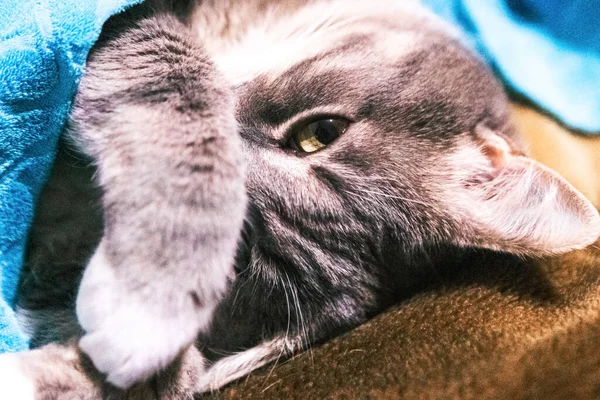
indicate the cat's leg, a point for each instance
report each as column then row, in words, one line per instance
column 158, row 121
column 52, row 372
column 63, row 372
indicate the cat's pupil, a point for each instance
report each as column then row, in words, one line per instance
column 327, row 130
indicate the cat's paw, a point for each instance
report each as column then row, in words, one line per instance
column 127, row 338
column 14, row 384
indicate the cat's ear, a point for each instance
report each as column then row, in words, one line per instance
column 512, row 203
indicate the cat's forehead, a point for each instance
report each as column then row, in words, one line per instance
column 333, row 34
column 388, row 62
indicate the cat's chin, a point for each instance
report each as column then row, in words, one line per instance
column 127, row 338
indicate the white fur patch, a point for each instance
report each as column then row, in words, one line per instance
column 127, row 339
column 14, row 384
column 230, row 368
column 275, row 44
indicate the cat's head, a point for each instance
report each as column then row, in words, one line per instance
column 366, row 123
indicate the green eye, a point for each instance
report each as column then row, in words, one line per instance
column 318, row 134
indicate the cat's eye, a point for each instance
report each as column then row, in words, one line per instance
column 318, row 134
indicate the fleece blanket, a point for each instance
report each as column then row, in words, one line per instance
column 44, row 43
column 545, row 50
column 43, row 47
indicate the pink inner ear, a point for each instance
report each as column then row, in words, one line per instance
column 497, row 151
column 495, row 148
column 513, row 203
column 537, row 209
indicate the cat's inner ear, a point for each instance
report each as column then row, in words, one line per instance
column 509, row 202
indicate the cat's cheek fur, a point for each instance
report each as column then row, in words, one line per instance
column 14, row 383
column 129, row 338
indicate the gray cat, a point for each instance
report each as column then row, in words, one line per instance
column 267, row 174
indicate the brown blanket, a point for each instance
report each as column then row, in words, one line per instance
column 491, row 327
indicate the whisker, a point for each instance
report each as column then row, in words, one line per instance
column 287, row 300
column 239, row 289
column 287, row 331
column 306, row 343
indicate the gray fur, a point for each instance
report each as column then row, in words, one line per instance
column 328, row 239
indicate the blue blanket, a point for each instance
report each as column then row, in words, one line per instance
column 43, row 47
column 546, row 50
column 44, row 43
